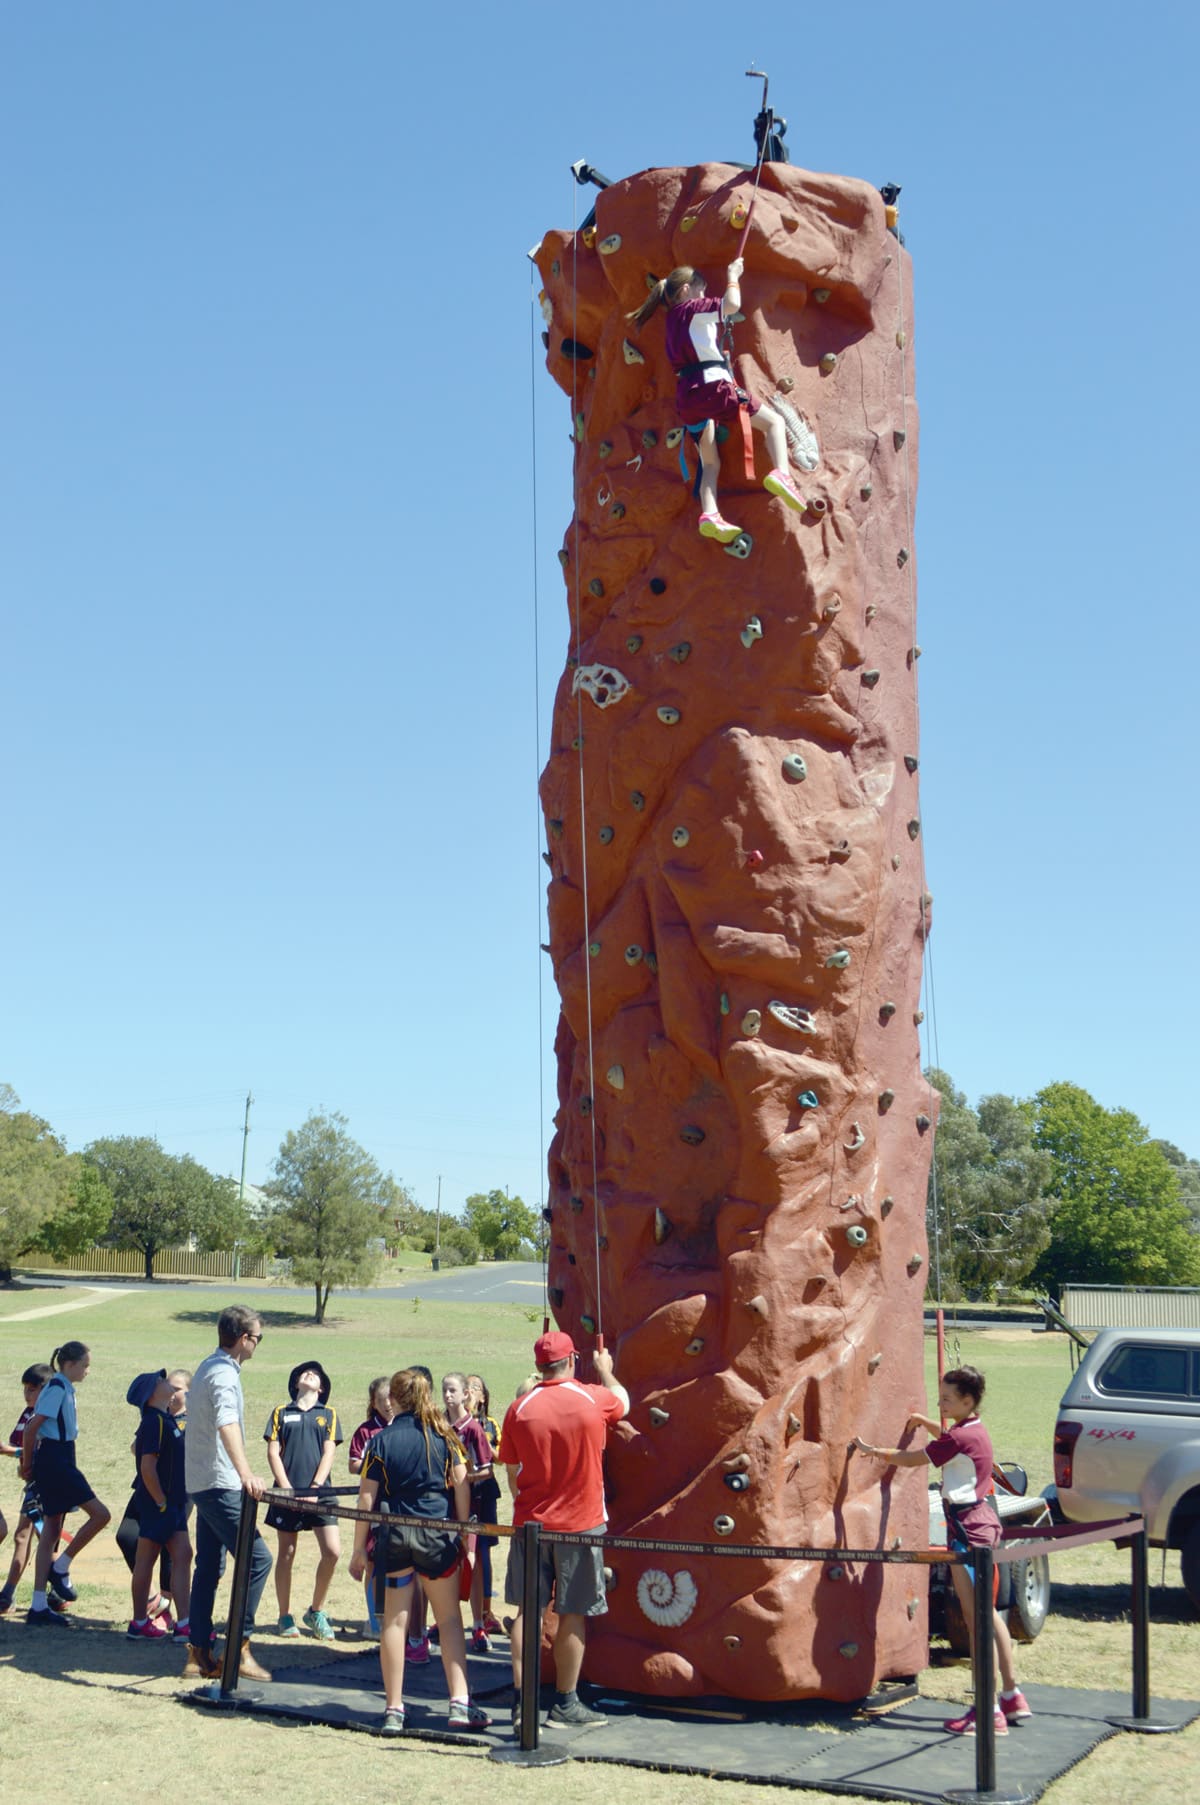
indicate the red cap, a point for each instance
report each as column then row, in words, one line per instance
column 549, row 1349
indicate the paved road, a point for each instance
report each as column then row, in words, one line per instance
column 499, row 1282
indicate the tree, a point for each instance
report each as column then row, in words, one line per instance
column 1188, row 1172
column 1121, row 1219
column 990, row 1205
column 85, row 1218
column 35, row 1179
column 159, row 1199
column 331, row 1215
column 502, row 1224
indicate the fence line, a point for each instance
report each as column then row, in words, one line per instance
column 173, row 1262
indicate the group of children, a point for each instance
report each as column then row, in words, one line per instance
column 302, row 1437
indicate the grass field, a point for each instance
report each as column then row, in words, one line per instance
column 118, row 1699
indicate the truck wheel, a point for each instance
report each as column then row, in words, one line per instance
column 1190, row 1564
column 1030, row 1597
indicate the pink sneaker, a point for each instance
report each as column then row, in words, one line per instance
column 965, row 1725
column 780, row 483
column 149, row 1631
column 1015, row 1706
column 417, row 1653
column 712, row 526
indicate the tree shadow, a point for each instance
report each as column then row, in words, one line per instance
column 1111, row 1604
column 270, row 1319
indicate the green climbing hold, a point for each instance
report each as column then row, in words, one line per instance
column 556, row 268
column 649, row 440
column 604, row 448
column 588, row 1324
column 724, row 1002
column 596, row 587
column 605, row 836
column 634, row 643
column 856, row 1234
column 673, row 437
column 681, row 651
column 808, row 1100
column 580, row 423
column 651, row 962
column 794, row 768
column 820, row 296
column 593, row 949
column 838, row 961
column 618, row 510
column 751, row 631
column 555, row 827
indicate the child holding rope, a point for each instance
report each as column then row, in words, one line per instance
column 407, row 1470
column 706, row 392
column 964, row 1454
column 48, row 1458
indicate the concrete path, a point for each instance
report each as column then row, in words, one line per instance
column 99, row 1294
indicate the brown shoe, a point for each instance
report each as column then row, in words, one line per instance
column 202, row 1664
column 249, row 1668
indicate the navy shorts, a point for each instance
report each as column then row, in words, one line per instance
column 433, row 1552
column 60, row 1484
column 156, row 1525
column 291, row 1522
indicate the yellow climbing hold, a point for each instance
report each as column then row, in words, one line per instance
column 685, row 225
column 739, row 216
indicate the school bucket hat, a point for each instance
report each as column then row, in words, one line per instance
column 310, row 1366
column 142, row 1389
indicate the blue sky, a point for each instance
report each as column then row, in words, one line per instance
column 270, row 725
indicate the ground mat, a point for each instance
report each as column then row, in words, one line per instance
column 904, row 1754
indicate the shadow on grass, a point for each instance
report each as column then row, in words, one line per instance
column 270, row 1319
column 1110, row 1604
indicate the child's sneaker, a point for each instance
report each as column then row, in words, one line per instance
column 572, row 1711
column 417, row 1653
column 780, row 483
column 319, row 1624
column 479, row 1641
column 181, row 1634
column 466, row 1716
column 1015, row 1706
column 41, row 1620
column 6, row 1599
column 288, row 1627
column 965, row 1725
column 492, row 1626
column 149, row 1630
column 61, row 1583
column 712, row 526
column 393, row 1721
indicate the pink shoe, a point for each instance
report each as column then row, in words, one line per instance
column 965, row 1725
column 150, row 1631
column 1015, row 1707
column 780, row 483
column 712, row 526
column 417, row 1653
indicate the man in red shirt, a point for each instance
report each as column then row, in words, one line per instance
column 552, row 1443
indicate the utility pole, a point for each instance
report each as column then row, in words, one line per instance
column 237, row 1252
column 437, row 1236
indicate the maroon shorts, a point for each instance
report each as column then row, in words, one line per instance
column 720, row 400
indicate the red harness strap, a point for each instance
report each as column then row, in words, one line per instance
column 747, row 441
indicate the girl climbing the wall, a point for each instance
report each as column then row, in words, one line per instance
column 706, row 392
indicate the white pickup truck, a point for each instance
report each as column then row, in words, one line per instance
column 1128, row 1438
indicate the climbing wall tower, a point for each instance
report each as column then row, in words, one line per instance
column 737, row 915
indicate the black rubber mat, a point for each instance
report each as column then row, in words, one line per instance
column 904, row 1754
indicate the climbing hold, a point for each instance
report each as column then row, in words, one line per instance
column 634, row 463
column 593, row 949
column 857, row 1139
column 808, row 1100
column 637, row 800
column 914, row 828
column 856, row 1234
column 608, row 245
column 737, row 1482
column 829, row 363
column 887, row 1011
column 901, row 558
column 634, row 643
column 914, row 652
column 817, row 504
column 737, row 1463
column 895, row 861
column 555, row 827
column 738, row 216
column 886, row 1099
column 556, row 1297
column 741, row 547
column 754, row 859
column 556, row 268
column 901, row 340
column 588, row 236
column 673, row 437
column 751, row 1022
column 912, row 1607
column 914, row 1265
column 838, row 961
column 596, row 587
column 605, row 836
column 578, row 353
column 840, row 851
column 794, row 768
column 659, row 1417
column 657, row 586
column 887, row 1206
column 910, row 763
column 668, row 716
column 588, row 1324
column 923, row 1123
column 898, row 438
column 759, row 1305
column 871, row 611
column 577, row 1205
column 681, row 652
column 601, row 682
column 547, row 1214
column 870, row 679
column 585, row 1106
column 618, row 510
column 649, row 440
column 616, row 1077
column 724, row 1526
column 820, row 296
column 918, row 1018
column 874, row 1363
column 662, row 1227
column 833, row 606
column 835, row 1572
column 580, row 423
column 604, row 448
column 751, row 631
column 564, row 557
column 695, row 1346
column 790, row 1016
column 633, row 955
column 667, row 1599
column 866, row 491
column 602, row 1243
column 651, row 962
column 724, row 1004
column 787, row 384
column 577, row 743
column 849, row 1650
column 691, row 1134
column 680, row 836
column 603, row 496
column 686, row 224
column 632, row 354
column 610, row 1579
column 732, row 1643
column 853, row 1202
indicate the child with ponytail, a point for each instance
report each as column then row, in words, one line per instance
column 706, row 392
column 48, row 1458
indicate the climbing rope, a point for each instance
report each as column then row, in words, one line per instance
column 544, row 1238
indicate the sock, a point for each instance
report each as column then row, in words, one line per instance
column 140, row 1622
column 1011, row 1694
column 61, row 1564
column 566, row 1698
column 39, row 1602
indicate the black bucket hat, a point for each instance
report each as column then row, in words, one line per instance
column 310, row 1366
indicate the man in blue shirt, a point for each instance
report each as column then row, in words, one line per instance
column 217, row 1473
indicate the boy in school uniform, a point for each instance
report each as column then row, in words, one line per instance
column 160, row 1501
column 301, row 1439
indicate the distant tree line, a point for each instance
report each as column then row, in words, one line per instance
column 1053, row 1188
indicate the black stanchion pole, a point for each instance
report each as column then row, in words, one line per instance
column 1139, row 1612
column 985, row 1788
column 529, row 1752
column 239, row 1597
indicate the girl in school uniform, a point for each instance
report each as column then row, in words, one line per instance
column 48, row 1459
column 379, row 1414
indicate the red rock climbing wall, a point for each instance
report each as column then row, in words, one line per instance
column 737, row 1180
